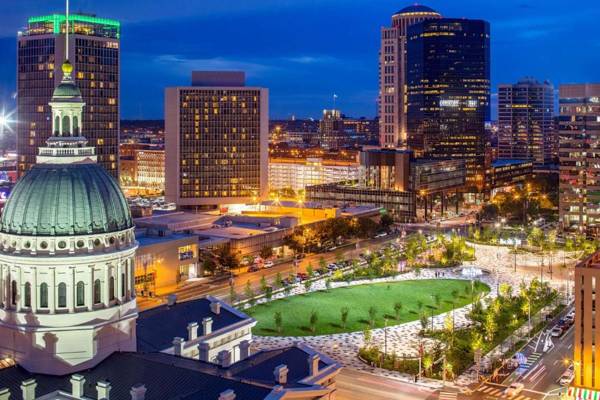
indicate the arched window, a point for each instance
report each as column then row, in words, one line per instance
column 56, row 125
column 66, row 128
column 13, row 293
column 123, row 284
column 75, row 126
column 80, row 294
column 62, row 294
column 27, row 298
column 111, row 288
column 97, row 291
column 44, row 295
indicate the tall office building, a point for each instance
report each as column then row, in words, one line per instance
column 526, row 121
column 448, row 89
column 94, row 50
column 586, row 335
column 579, row 176
column 216, row 141
column 331, row 130
column 392, row 74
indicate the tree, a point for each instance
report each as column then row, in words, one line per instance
column 327, row 284
column 307, row 285
column 397, row 309
column 386, row 221
column 309, row 270
column 344, row 311
column 490, row 326
column 263, row 284
column 490, row 212
column 436, row 300
column 278, row 321
column 269, row 293
column 248, row 292
column 208, row 265
column 287, row 290
column 424, row 321
column 372, row 315
column 427, row 363
column 278, row 280
column 232, row 295
column 449, row 326
column 266, row 252
column 322, row 263
column 367, row 337
column 419, row 305
column 314, row 318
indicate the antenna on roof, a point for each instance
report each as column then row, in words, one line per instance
column 67, row 30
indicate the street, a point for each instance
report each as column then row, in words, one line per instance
column 356, row 385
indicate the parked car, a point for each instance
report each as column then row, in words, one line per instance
column 567, row 377
column 380, row 235
column 302, row 275
column 253, row 268
column 565, row 323
column 557, row 331
column 514, row 389
column 269, row 264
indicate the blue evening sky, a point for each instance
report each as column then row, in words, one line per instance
column 306, row 50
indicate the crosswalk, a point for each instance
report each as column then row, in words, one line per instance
column 532, row 359
column 448, row 396
column 498, row 392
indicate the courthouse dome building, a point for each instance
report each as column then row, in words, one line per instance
column 67, row 248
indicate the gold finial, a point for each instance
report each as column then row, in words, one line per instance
column 67, row 68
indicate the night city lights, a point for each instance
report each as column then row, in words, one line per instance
column 300, row 200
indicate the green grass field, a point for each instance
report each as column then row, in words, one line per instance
column 296, row 310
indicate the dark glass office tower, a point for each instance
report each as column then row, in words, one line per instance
column 448, row 90
column 94, row 52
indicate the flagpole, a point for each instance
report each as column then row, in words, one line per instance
column 67, row 30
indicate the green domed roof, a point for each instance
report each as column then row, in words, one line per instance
column 64, row 200
column 67, row 90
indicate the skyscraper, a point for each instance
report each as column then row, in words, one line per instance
column 331, row 129
column 525, row 120
column 448, row 91
column 392, row 74
column 95, row 55
column 216, row 141
column 579, row 176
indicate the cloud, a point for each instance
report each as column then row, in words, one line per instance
column 312, row 59
column 184, row 66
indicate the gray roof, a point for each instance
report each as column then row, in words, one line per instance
column 65, row 200
column 157, row 327
column 416, row 8
column 165, row 377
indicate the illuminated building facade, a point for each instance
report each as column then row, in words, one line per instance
column 579, row 170
column 526, row 121
column 95, row 54
column 392, row 74
column 331, row 130
column 587, row 318
column 448, row 90
column 297, row 173
column 216, row 141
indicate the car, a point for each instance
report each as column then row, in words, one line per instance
column 565, row 323
column 300, row 256
column 514, row 389
column 567, row 377
column 380, row 235
column 302, row 276
column 253, row 268
column 269, row 264
column 557, row 331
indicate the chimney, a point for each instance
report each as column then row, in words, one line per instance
column 206, row 326
column 215, row 307
column 77, row 385
column 171, row 300
column 103, row 389
column 281, row 374
column 203, row 349
column 224, row 358
column 227, row 395
column 28, row 389
column 192, row 328
column 4, row 394
column 313, row 364
column 138, row 392
column 244, row 349
column 178, row 344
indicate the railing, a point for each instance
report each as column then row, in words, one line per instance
column 58, row 152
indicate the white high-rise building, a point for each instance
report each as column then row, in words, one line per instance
column 392, row 74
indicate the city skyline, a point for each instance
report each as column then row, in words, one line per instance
column 301, row 69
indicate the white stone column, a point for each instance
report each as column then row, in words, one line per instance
column 2, row 291
column 90, row 290
column 52, row 291
column 131, row 278
column 119, row 281
column 20, row 289
column 71, row 290
column 106, row 294
column 34, row 290
column 71, row 122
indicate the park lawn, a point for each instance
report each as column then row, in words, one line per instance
column 296, row 310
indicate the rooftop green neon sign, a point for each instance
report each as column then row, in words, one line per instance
column 58, row 19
